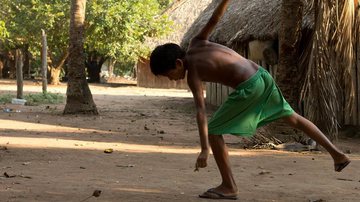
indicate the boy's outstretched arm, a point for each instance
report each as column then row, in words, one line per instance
column 197, row 90
column 214, row 19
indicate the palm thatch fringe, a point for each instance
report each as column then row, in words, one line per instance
column 245, row 21
column 176, row 12
column 173, row 6
column 330, row 63
column 344, row 41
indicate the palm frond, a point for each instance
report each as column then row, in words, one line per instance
column 344, row 42
column 330, row 61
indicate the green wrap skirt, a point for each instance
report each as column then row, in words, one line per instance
column 254, row 103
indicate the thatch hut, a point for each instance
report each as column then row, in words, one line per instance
column 182, row 13
column 248, row 27
column 245, row 21
column 248, row 24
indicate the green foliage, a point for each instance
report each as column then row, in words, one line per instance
column 116, row 29
column 164, row 3
column 28, row 17
column 44, row 98
column 35, row 99
column 5, row 98
column 3, row 31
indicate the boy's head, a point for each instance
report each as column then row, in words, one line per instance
column 167, row 60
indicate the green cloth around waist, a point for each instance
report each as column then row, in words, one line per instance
column 254, row 103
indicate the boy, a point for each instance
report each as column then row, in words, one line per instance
column 255, row 102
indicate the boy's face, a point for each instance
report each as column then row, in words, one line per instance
column 175, row 74
column 178, row 73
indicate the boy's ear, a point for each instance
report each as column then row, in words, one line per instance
column 179, row 62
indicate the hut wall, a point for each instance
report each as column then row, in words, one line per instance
column 145, row 78
column 216, row 93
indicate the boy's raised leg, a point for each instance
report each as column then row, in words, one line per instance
column 227, row 189
column 301, row 123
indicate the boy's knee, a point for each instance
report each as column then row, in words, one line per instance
column 293, row 120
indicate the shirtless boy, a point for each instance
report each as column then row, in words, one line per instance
column 255, row 102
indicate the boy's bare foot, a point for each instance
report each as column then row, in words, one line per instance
column 220, row 192
column 214, row 194
column 341, row 163
column 340, row 166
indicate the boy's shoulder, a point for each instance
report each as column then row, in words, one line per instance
column 197, row 42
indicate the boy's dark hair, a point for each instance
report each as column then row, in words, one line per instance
column 163, row 58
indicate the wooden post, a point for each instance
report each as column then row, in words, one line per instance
column 1, row 68
column 44, row 61
column 213, row 94
column 208, row 92
column 357, row 65
column 19, row 73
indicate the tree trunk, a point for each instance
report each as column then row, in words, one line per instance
column 357, row 63
column 93, row 65
column 10, row 65
column 1, row 69
column 289, row 38
column 56, row 70
column 55, row 76
column 44, row 63
column 79, row 98
column 287, row 73
column 19, row 73
column 111, row 67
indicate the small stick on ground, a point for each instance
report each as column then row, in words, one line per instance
column 96, row 193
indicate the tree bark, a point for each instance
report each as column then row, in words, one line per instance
column 26, row 68
column 19, row 73
column 93, row 65
column 357, row 47
column 79, row 98
column 1, row 69
column 44, row 63
column 289, row 38
column 56, row 70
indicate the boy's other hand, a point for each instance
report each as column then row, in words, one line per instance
column 201, row 161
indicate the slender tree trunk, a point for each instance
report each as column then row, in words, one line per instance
column 289, row 38
column 111, row 67
column 44, row 64
column 1, row 69
column 11, row 60
column 357, row 47
column 19, row 73
column 79, row 97
column 26, row 69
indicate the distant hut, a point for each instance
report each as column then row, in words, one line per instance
column 183, row 13
column 251, row 28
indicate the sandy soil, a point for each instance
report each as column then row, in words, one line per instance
column 46, row 156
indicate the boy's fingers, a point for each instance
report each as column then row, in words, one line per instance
column 196, row 167
column 200, row 164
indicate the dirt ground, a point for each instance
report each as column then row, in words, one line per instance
column 46, row 156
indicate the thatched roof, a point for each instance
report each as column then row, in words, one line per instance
column 183, row 13
column 245, row 21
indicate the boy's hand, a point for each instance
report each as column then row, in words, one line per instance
column 201, row 161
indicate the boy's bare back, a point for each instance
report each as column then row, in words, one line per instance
column 211, row 62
